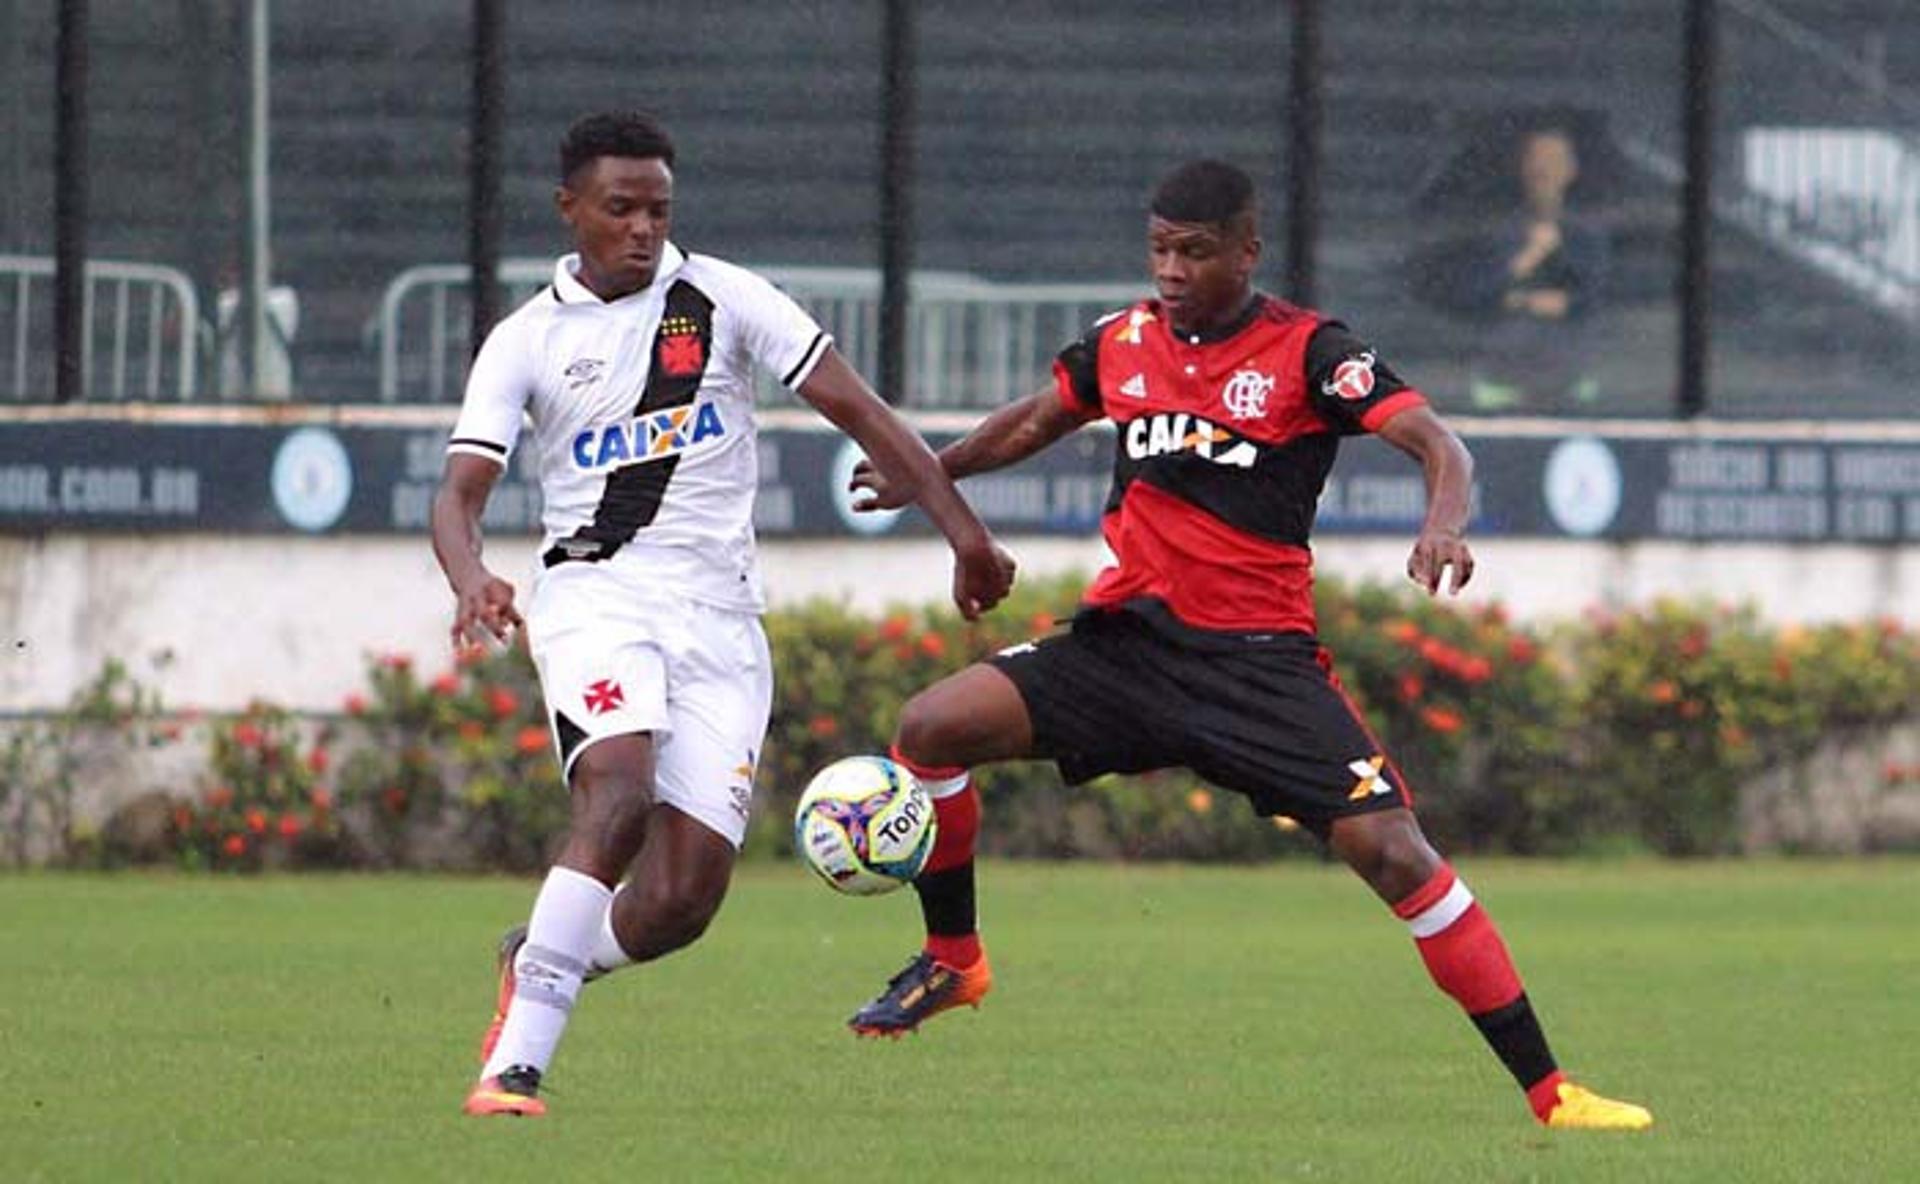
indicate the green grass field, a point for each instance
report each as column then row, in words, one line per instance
column 1149, row 1023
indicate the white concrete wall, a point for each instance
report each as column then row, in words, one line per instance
column 293, row 620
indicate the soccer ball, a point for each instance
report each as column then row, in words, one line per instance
column 865, row 825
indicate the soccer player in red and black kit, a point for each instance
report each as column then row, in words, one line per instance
column 1197, row 647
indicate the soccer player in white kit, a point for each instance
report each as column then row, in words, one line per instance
column 634, row 370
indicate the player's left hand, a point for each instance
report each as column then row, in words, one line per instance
column 882, row 494
column 1433, row 553
column 982, row 577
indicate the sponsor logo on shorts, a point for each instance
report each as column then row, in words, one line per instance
column 1371, row 783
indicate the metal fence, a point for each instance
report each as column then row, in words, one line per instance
column 142, row 331
column 971, row 343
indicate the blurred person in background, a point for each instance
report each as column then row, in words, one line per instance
column 1197, row 647
column 634, row 373
column 1531, row 284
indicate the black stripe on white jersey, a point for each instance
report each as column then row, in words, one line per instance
column 633, row 492
column 815, row 348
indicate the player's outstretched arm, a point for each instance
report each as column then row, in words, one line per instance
column 1448, row 465
column 1007, row 436
column 482, row 600
column 983, row 571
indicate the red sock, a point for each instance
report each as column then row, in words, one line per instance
column 1544, row 1094
column 946, row 883
column 956, row 806
column 1459, row 944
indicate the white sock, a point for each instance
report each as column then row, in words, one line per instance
column 607, row 954
column 549, row 968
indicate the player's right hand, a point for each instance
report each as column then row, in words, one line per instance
column 982, row 577
column 882, row 494
column 484, row 607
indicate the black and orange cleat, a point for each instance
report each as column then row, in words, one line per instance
column 923, row 990
column 510, row 945
column 515, row 1090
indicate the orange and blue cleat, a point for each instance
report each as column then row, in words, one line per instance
column 514, row 1091
column 509, row 947
column 923, row 990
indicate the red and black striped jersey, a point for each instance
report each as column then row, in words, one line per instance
column 1222, row 445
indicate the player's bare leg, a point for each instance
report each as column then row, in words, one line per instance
column 970, row 718
column 1468, row 960
column 612, row 795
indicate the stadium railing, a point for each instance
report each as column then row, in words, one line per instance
column 972, row 342
column 142, row 330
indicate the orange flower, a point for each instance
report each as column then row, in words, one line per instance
column 823, row 727
column 289, row 826
column 1040, row 623
column 933, row 645
column 895, row 627
column 503, row 701
column 246, row 735
column 1663, row 691
column 236, row 845
column 182, row 818
column 256, row 822
column 219, row 797
column 1411, row 687
column 1402, row 631
column 320, row 800
column 1733, row 736
column 471, row 729
column 1442, row 720
column 356, row 704
column 317, row 761
column 1199, row 800
column 1476, row 669
column 444, row 685
column 1522, row 650
column 530, row 740
column 902, row 652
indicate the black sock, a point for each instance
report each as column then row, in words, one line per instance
column 1515, row 1036
column 946, row 900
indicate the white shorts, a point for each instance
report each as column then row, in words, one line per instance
column 617, row 657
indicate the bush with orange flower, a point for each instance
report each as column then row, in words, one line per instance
column 267, row 802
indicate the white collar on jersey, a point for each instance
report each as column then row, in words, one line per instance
column 569, row 290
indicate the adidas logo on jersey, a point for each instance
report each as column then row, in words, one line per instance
column 653, row 436
column 1158, row 435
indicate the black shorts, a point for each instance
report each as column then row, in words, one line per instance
column 1264, row 718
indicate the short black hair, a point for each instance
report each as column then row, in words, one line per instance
column 634, row 134
column 1210, row 191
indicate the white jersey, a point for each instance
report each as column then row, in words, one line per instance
column 641, row 411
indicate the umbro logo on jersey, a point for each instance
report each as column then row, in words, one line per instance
column 1177, row 431
column 582, row 371
column 1135, row 387
column 653, row 436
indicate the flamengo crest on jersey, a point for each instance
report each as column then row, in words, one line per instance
column 638, row 416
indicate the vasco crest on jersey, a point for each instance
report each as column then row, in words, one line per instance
column 680, row 350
